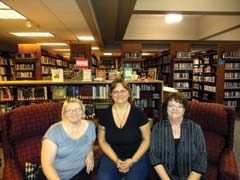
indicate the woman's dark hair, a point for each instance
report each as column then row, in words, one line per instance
column 178, row 97
column 125, row 85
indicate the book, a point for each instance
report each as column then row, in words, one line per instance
column 59, row 92
column 100, row 74
column 127, row 73
column 57, row 75
column 112, row 74
column 152, row 73
column 87, row 74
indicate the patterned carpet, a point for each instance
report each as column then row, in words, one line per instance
column 237, row 141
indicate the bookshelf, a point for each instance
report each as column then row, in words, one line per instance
column 180, row 76
column 33, row 63
column 160, row 61
column 228, row 81
column 216, row 75
column 6, row 68
column 80, row 51
column 174, row 67
column 109, row 65
column 148, row 95
column 131, row 57
column 51, row 61
column 205, row 75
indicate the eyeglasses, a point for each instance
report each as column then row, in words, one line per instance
column 115, row 92
column 70, row 111
column 180, row 106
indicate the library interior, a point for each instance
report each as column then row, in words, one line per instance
column 53, row 50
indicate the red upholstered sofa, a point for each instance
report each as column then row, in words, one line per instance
column 23, row 128
column 217, row 122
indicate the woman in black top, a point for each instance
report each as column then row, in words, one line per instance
column 124, row 137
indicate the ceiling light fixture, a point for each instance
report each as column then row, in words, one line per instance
column 85, row 38
column 7, row 13
column 53, row 44
column 28, row 24
column 62, row 50
column 10, row 14
column 95, row 48
column 32, row 34
column 3, row 6
column 107, row 54
column 173, row 18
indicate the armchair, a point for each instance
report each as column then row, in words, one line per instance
column 217, row 122
column 22, row 131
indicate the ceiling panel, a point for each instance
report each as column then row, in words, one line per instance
column 113, row 22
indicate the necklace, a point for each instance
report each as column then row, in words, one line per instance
column 176, row 131
column 121, row 120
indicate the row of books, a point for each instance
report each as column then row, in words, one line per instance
column 232, row 94
column 230, row 103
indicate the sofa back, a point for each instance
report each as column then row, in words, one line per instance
column 214, row 117
column 217, row 122
column 23, row 128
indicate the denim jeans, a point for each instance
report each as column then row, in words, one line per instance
column 79, row 176
column 108, row 171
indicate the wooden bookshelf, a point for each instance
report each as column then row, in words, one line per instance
column 94, row 94
column 174, row 67
column 216, row 75
column 131, row 57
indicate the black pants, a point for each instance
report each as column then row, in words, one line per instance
column 82, row 175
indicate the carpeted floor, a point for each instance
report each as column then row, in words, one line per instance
column 237, row 141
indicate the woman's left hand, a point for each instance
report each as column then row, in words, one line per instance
column 89, row 162
column 125, row 165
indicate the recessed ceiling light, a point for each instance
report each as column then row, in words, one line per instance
column 173, row 18
column 53, row 44
column 86, row 38
column 32, row 34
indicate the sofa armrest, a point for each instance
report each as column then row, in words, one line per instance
column 228, row 166
column 12, row 171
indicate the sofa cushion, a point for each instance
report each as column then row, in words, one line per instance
column 28, row 151
column 215, row 145
column 31, row 171
column 212, row 172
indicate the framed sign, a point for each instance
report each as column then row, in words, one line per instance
column 82, row 63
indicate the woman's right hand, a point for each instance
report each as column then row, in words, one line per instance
column 124, row 166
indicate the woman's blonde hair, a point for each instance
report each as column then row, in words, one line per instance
column 73, row 100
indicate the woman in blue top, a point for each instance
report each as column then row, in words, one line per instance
column 67, row 145
column 124, row 137
column 178, row 150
